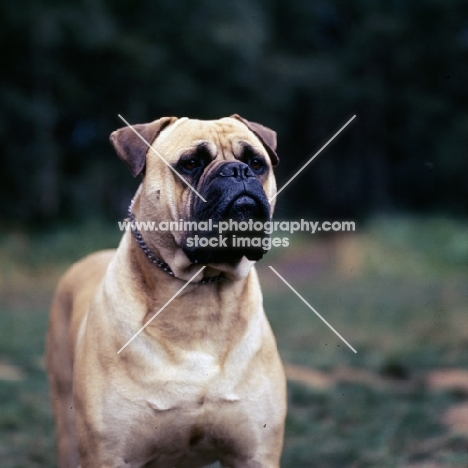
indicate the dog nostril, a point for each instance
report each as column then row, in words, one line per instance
column 236, row 170
column 229, row 172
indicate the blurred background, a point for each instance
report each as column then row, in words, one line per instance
column 397, row 289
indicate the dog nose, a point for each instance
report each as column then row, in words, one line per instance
column 236, row 170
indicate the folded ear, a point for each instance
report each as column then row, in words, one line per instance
column 131, row 149
column 266, row 135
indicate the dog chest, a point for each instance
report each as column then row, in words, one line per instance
column 190, row 385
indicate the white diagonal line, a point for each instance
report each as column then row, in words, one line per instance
column 310, row 307
column 161, row 309
column 312, row 158
column 157, row 154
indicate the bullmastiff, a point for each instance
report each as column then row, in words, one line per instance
column 203, row 382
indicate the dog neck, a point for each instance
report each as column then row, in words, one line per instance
column 153, row 258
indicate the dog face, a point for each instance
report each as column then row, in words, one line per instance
column 229, row 162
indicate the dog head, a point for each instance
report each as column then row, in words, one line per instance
column 197, row 171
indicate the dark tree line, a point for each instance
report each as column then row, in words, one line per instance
column 302, row 67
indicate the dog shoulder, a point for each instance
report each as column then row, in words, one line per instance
column 83, row 276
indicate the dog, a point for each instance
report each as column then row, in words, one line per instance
column 203, row 381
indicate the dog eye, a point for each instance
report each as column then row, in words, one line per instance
column 190, row 164
column 194, row 162
column 253, row 159
column 256, row 164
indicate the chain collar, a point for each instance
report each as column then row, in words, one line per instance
column 152, row 257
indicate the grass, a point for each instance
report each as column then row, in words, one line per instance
column 25, row 417
column 397, row 291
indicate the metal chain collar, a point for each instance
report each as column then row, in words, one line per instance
column 152, row 257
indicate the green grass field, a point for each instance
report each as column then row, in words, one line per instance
column 397, row 291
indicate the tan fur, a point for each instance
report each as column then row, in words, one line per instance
column 204, row 380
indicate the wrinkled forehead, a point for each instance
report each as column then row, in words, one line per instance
column 227, row 136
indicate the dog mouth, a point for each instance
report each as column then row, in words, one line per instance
column 245, row 207
column 235, row 231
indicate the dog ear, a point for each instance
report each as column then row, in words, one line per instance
column 264, row 134
column 131, row 149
